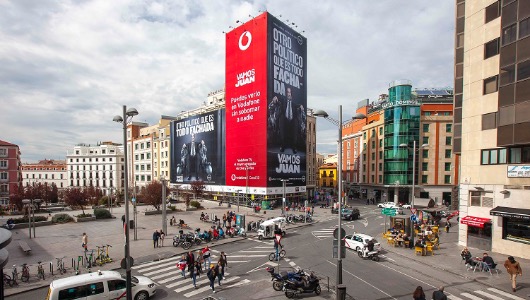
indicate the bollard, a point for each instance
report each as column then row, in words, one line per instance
column 51, row 268
column 73, row 263
column 341, row 292
column 328, row 283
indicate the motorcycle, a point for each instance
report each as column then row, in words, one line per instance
column 240, row 231
column 308, row 284
column 278, row 279
column 373, row 255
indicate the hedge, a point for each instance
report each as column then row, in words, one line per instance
column 25, row 219
column 102, row 213
column 62, row 218
column 195, row 204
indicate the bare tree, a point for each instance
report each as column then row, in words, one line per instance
column 16, row 197
column 152, row 194
column 198, row 188
column 76, row 197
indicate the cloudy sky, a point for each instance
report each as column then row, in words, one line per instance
column 67, row 66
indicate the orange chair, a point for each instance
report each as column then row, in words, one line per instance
column 429, row 249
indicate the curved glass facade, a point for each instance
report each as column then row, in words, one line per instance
column 402, row 126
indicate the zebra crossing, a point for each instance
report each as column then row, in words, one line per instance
column 489, row 293
column 323, row 233
column 165, row 272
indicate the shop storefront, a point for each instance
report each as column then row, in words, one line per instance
column 515, row 223
column 478, row 232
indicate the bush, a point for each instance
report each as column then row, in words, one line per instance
column 103, row 201
column 84, row 215
column 195, row 204
column 102, row 213
column 173, row 208
column 25, row 219
column 62, row 218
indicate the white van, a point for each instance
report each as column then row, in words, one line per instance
column 268, row 228
column 100, row 285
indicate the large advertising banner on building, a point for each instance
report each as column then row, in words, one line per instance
column 197, row 149
column 287, row 102
column 246, row 104
column 266, row 99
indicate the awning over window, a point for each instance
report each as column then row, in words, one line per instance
column 511, row 212
column 474, row 221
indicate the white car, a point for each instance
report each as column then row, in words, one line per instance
column 406, row 206
column 357, row 241
column 386, row 205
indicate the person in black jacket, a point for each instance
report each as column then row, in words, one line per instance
column 439, row 294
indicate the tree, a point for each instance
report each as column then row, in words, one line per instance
column 152, row 194
column 76, row 197
column 198, row 188
column 16, row 197
column 54, row 194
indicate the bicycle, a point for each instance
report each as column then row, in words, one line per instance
column 60, row 265
column 272, row 256
column 40, row 270
column 14, row 275
column 25, row 273
column 8, row 280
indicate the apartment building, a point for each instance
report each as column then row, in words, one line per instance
column 46, row 171
column 311, row 155
column 10, row 171
column 492, row 124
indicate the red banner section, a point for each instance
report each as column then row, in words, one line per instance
column 246, row 104
column 474, row 221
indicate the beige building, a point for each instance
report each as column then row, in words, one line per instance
column 46, row 171
column 492, row 124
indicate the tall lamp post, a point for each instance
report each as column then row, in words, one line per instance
column 128, row 114
column 339, row 124
column 164, row 214
column 413, row 167
column 31, row 213
column 284, row 182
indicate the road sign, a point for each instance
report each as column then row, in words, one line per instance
column 336, row 233
column 388, row 211
column 336, row 249
column 133, row 200
column 413, row 211
column 413, row 218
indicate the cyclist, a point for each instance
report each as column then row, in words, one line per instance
column 277, row 246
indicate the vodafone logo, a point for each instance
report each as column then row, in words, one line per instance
column 248, row 40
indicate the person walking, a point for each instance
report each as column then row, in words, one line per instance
column 84, row 241
column 182, row 266
column 223, row 263
column 162, row 237
column 418, row 294
column 447, row 226
column 513, row 268
column 218, row 273
column 211, row 276
column 224, row 220
column 194, row 271
column 156, row 236
column 439, row 294
column 207, row 257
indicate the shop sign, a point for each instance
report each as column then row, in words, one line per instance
column 519, row 171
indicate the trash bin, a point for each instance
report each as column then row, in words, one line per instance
column 131, row 224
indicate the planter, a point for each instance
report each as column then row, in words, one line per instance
column 152, row 212
column 84, row 219
column 37, row 224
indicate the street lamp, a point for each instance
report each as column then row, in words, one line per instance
column 30, row 203
column 238, row 195
column 284, row 181
column 128, row 114
column 164, row 223
column 339, row 124
column 111, row 189
column 413, row 167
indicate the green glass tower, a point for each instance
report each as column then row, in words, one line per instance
column 402, row 126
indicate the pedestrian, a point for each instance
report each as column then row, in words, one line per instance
column 218, row 273
column 224, row 220
column 162, row 237
column 447, row 226
column 123, row 221
column 223, row 263
column 206, row 257
column 200, row 260
column 513, row 268
column 211, row 276
column 312, row 209
column 194, row 271
column 156, row 236
column 418, row 294
column 171, row 222
column 182, row 265
column 439, row 294
column 84, row 240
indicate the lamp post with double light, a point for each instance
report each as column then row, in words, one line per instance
column 413, row 167
column 31, row 213
column 284, row 182
column 164, row 213
column 339, row 124
column 128, row 114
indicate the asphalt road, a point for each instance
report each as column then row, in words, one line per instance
column 310, row 248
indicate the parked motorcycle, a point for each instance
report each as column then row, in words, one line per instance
column 278, row 279
column 373, row 255
column 308, row 284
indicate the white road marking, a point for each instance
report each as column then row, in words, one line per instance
column 473, row 297
column 505, row 294
column 239, row 283
column 204, row 289
column 177, row 271
column 488, row 295
column 453, row 297
column 159, row 271
column 154, row 262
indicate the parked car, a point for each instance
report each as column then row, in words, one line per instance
column 359, row 240
column 386, row 204
column 351, row 214
column 406, row 206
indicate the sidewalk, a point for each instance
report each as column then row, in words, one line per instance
column 64, row 240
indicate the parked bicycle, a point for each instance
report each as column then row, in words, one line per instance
column 25, row 273
column 8, row 280
column 60, row 265
column 40, row 270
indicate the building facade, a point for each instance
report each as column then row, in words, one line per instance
column 311, row 155
column 10, row 170
column 47, row 171
column 492, row 124
column 100, row 166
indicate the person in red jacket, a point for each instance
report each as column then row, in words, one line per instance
column 182, row 265
column 207, row 257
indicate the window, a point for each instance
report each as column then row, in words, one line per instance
column 380, row 178
column 492, row 12
column 524, row 28
column 460, row 41
column 480, row 198
column 95, row 288
column 447, row 166
column 425, row 140
column 381, row 143
column 424, row 166
column 3, row 152
column 493, row 156
column 516, row 230
column 373, row 156
column 523, row 70
column 3, row 176
column 380, row 154
column 73, row 292
column 448, row 141
column 3, row 164
column 380, row 166
column 447, row 179
column 425, row 153
column 115, row 285
column 424, row 178
column 447, row 153
column 489, row 121
column 509, row 34
column 427, row 113
column 148, row 145
column 491, row 48
column 490, row 85
column 373, row 144
column 426, row 127
column 380, row 130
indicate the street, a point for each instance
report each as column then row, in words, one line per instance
column 310, row 248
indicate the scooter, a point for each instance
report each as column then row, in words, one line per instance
column 373, row 255
column 308, row 284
